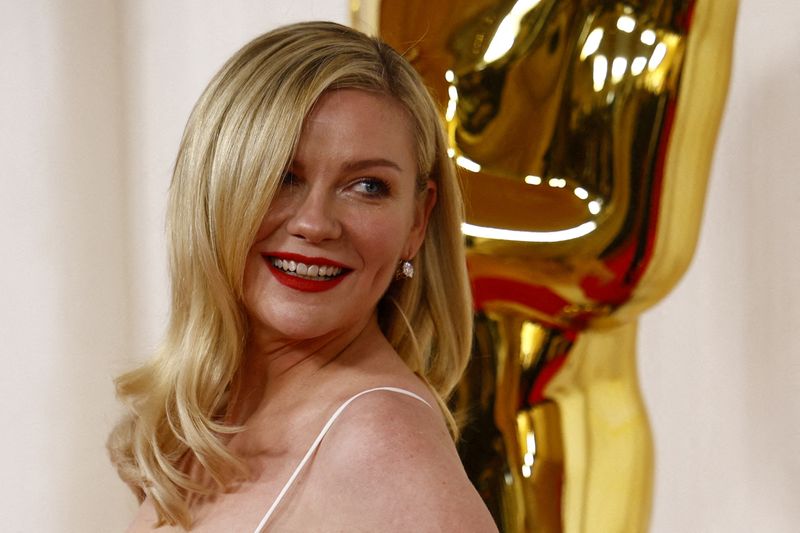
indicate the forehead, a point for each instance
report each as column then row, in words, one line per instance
column 352, row 123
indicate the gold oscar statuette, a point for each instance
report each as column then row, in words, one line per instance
column 584, row 131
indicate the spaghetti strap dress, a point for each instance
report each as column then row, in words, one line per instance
column 313, row 448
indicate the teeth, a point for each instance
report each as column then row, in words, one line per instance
column 307, row 271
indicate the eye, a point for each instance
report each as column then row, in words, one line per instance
column 289, row 179
column 373, row 187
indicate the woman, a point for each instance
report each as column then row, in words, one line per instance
column 317, row 277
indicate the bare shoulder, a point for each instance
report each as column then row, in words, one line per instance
column 145, row 520
column 390, row 464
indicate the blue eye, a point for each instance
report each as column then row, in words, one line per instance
column 372, row 187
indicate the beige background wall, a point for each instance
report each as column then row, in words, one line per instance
column 94, row 97
column 720, row 357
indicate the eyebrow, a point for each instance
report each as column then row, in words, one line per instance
column 354, row 166
column 360, row 164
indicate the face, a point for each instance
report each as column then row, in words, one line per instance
column 345, row 215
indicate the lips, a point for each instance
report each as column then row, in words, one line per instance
column 306, row 274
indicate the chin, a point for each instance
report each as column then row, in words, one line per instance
column 297, row 326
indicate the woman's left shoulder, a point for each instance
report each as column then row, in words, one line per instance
column 393, row 457
column 399, row 419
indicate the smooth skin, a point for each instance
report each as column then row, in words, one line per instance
column 388, row 463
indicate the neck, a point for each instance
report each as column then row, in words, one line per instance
column 273, row 365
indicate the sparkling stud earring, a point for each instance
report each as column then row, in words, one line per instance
column 405, row 270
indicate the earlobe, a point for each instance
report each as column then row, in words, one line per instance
column 422, row 212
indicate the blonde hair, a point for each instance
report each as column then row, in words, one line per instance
column 237, row 144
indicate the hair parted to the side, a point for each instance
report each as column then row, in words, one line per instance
column 237, row 144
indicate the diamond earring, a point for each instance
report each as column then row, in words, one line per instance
column 405, row 270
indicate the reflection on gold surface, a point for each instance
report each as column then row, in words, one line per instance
column 583, row 131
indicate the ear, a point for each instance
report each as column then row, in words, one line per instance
column 422, row 212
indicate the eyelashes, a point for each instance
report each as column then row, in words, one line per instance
column 370, row 187
column 289, row 179
column 373, row 187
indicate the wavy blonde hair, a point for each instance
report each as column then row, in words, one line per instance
column 237, row 144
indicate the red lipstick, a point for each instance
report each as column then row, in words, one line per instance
column 301, row 283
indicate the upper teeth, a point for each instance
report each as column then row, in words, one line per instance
column 309, row 271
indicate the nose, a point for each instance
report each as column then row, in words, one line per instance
column 313, row 217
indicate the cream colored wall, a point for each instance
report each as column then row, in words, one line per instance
column 63, row 295
column 720, row 362
column 94, row 98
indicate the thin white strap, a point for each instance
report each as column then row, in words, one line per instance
column 316, row 443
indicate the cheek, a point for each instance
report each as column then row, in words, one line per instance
column 268, row 225
column 279, row 209
column 381, row 236
column 253, row 272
